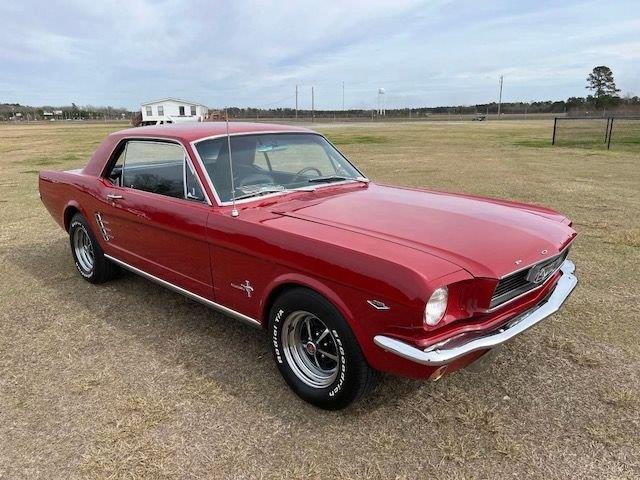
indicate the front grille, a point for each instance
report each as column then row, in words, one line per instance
column 522, row 281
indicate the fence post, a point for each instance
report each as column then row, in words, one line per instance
column 610, row 132
column 555, row 122
column 606, row 130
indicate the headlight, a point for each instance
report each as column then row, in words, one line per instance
column 436, row 306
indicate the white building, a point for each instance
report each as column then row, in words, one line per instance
column 172, row 110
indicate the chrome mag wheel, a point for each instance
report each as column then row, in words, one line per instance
column 83, row 249
column 310, row 349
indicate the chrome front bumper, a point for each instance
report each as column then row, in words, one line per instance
column 451, row 349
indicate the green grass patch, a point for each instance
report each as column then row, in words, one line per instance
column 346, row 139
column 42, row 161
column 533, row 143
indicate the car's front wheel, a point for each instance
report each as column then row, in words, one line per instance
column 87, row 253
column 316, row 351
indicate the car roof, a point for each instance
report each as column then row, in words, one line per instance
column 189, row 132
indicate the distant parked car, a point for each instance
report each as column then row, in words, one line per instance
column 479, row 118
column 272, row 225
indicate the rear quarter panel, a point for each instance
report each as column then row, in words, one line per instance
column 61, row 190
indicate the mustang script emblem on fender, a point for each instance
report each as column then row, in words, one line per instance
column 245, row 287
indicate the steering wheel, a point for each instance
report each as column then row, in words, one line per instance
column 302, row 172
column 255, row 179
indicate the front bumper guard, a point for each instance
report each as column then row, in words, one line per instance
column 451, row 349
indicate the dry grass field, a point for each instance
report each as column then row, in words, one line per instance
column 128, row 380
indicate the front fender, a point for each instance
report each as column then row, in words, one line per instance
column 293, row 279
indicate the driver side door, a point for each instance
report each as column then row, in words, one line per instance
column 155, row 214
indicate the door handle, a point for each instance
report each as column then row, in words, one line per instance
column 111, row 196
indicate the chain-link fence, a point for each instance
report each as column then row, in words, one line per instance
column 605, row 133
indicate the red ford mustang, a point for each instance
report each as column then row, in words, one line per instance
column 272, row 225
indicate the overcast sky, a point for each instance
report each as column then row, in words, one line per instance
column 250, row 53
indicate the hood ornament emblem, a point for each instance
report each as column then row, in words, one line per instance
column 544, row 252
column 245, row 287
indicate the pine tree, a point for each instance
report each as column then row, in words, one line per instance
column 600, row 81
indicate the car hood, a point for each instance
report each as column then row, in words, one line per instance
column 486, row 237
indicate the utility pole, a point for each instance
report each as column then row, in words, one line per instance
column 296, row 102
column 500, row 98
column 313, row 105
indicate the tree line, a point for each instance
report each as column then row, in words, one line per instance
column 15, row 111
column 603, row 99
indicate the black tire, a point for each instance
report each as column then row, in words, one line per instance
column 101, row 269
column 353, row 375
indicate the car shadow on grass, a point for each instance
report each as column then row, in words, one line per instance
column 183, row 332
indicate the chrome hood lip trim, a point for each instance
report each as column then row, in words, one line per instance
column 560, row 252
column 445, row 353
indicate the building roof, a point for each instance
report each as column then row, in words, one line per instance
column 173, row 100
column 189, row 132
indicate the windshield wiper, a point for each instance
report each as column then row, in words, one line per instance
column 261, row 191
column 337, row 178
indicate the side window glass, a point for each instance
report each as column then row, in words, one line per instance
column 115, row 176
column 193, row 190
column 155, row 167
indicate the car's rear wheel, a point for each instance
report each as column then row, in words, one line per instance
column 316, row 351
column 87, row 253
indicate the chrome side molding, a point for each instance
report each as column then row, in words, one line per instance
column 221, row 308
column 451, row 349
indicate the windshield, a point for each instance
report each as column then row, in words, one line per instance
column 271, row 163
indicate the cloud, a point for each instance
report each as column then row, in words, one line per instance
column 250, row 52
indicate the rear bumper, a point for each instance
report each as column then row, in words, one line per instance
column 456, row 347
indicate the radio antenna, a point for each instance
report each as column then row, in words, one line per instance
column 234, row 211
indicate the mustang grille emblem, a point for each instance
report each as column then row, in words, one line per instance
column 540, row 274
column 245, row 287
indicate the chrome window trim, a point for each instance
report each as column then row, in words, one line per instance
column 270, row 195
column 153, row 139
column 184, row 177
column 194, row 296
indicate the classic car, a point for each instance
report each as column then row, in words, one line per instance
column 272, row 225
